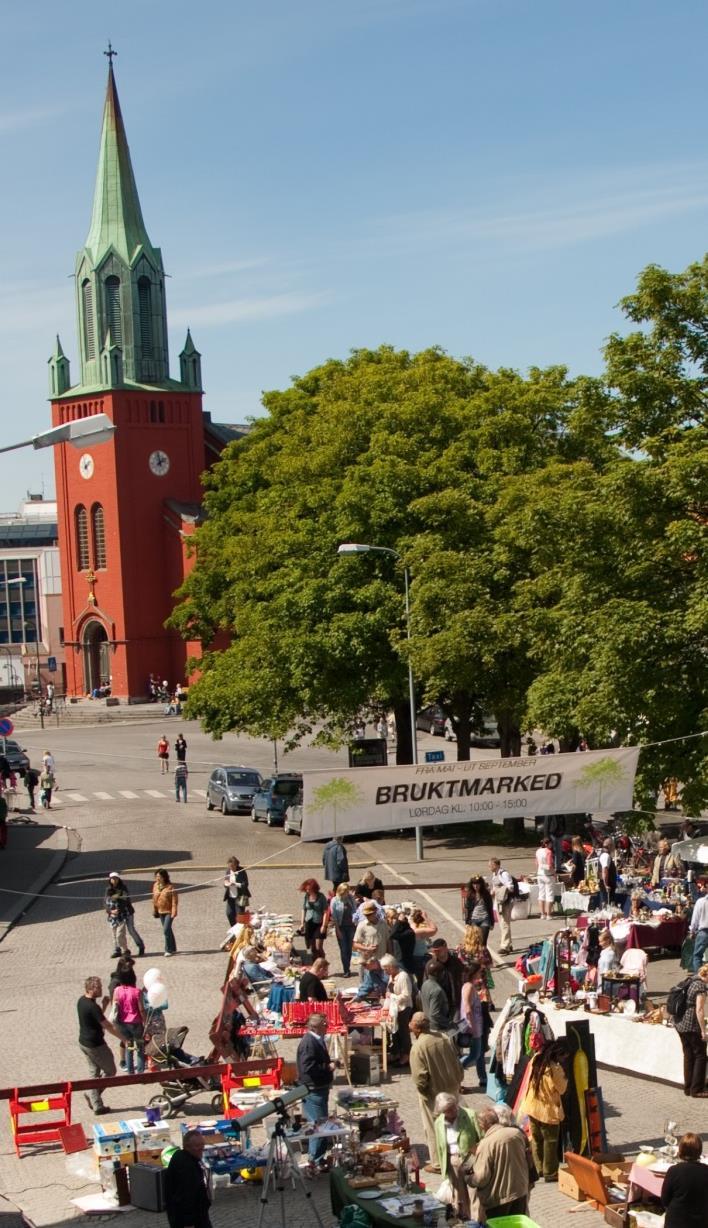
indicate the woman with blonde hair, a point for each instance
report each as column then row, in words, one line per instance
column 424, row 929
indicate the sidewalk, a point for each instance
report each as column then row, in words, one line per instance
column 35, row 853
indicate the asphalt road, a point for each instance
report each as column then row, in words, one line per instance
column 64, row 936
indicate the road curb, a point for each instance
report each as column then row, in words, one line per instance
column 40, row 883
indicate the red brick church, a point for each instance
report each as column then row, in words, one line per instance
column 126, row 508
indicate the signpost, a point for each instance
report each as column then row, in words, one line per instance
column 6, row 728
column 435, row 756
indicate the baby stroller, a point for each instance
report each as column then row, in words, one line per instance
column 166, row 1053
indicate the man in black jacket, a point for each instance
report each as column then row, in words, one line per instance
column 315, row 1070
column 187, row 1193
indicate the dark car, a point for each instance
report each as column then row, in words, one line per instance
column 275, row 795
column 432, row 719
column 232, row 789
column 15, row 755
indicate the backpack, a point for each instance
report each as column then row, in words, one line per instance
column 514, row 894
column 677, row 1000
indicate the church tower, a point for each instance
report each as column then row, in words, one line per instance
column 126, row 507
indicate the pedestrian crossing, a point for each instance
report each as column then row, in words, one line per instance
column 63, row 797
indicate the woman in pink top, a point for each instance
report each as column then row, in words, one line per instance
column 130, row 1018
column 545, row 877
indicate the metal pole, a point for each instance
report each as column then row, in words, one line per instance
column 39, row 680
column 275, row 756
column 419, row 849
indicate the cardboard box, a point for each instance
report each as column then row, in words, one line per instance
column 124, row 1158
column 568, row 1185
column 112, row 1137
column 149, row 1155
column 147, row 1135
column 616, row 1215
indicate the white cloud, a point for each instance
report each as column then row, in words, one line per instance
column 242, row 309
column 577, row 213
column 14, row 121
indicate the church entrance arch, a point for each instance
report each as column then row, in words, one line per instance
column 97, row 670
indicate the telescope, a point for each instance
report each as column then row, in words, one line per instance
column 278, row 1105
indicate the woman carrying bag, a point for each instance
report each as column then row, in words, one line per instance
column 120, row 913
column 236, row 890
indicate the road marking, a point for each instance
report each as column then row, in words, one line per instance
column 104, row 797
column 199, row 792
column 76, row 797
column 155, row 793
column 127, row 793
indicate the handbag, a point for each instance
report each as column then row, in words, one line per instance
column 227, row 894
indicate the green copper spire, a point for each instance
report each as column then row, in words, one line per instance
column 117, row 219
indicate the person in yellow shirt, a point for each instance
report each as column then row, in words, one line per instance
column 544, row 1105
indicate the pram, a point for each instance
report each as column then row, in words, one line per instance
column 166, row 1053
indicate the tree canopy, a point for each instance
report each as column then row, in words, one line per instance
column 554, row 530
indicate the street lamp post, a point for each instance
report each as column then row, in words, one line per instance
column 95, row 429
column 365, row 548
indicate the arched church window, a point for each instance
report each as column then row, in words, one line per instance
column 87, row 301
column 145, row 310
column 99, row 537
column 113, row 316
column 82, row 538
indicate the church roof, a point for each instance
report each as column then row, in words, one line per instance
column 117, row 219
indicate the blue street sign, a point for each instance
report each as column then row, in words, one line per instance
column 52, row 665
column 435, row 756
column 6, row 727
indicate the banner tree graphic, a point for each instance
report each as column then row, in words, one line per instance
column 604, row 773
column 337, row 795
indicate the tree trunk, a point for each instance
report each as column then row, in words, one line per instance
column 510, row 737
column 404, row 744
column 463, row 736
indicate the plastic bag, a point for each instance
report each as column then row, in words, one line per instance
column 444, row 1192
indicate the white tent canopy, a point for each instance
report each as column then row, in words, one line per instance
column 692, row 850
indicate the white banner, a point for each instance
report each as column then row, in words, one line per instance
column 353, row 800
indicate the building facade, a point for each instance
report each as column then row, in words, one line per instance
column 126, row 508
column 31, row 610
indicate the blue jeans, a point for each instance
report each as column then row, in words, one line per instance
column 473, row 1044
column 134, row 1047
column 180, row 788
column 166, row 923
column 345, row 939
column 700, row 946
column 315, row 1106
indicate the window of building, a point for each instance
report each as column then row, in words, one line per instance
column 18, row 601
column 61, row 637
column 82, row 538
column 147, row 341
column 113, row 315
column 99, row 536
column 87, row 300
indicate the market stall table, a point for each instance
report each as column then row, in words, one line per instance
column 342, row 1195
column 640, row 935
column 363, row 1015
column 653, row 1050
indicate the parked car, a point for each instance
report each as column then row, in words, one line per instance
column 276, row 793
column 432, row 719
column 487, row 740
column 292, row 823
column 16, row 756
column 232, row 789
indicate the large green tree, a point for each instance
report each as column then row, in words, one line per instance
column 410, row 452
column 618, row 606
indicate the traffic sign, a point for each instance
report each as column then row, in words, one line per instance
column 435, row 756
column 52, row 665
column 6, row 727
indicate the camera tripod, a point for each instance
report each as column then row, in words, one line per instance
column 280, row 1157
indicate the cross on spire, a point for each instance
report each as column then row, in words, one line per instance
column 110, row 53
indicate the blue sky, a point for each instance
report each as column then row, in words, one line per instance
column 485, row 175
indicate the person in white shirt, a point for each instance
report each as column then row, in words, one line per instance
column 698, row 929
column 400, row 990
column 608, row 872
column 503, row 892
column 608, row 956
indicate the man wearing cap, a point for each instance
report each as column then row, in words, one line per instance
column 370, row 936
column 451, row 974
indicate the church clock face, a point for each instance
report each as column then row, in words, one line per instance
column 86, row 465
column 159, row 463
